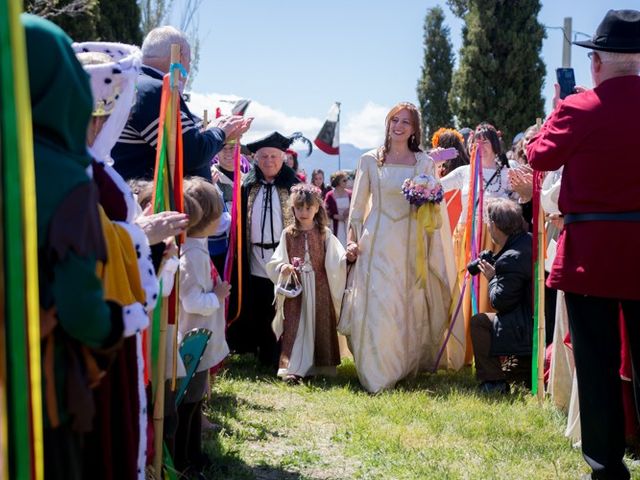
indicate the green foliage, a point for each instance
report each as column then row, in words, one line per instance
column 78, row 18
column 119, row 21
column 501, row 74
column 435, row 83
column 92, row 20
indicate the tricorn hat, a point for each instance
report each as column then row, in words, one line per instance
column 618, row 32
column 273, row 140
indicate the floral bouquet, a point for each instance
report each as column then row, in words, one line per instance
column 422, row 189
column 426, row 193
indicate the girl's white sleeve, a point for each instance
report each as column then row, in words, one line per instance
column 279, row 258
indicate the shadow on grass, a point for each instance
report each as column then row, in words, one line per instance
column 228, row 464
column 224, row 408
column 443, row 384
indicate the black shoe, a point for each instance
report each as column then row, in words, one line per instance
column 497, row 387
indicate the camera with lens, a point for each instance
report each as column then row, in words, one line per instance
column 474, row 266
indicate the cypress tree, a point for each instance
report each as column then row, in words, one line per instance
column 435, row 83
column 501, row 74
column 119, row 21
column 77, row 19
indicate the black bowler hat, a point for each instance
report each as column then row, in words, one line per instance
column 273, row 140
column 618, row 32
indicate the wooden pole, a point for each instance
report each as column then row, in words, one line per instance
column 158, row 408
column 171, row 157
column 541, row 319
column 540, row 280
column 566, row 42
column 205, row 119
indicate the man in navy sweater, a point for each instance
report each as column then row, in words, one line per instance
column 134, row 154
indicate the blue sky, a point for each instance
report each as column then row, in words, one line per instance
column 294, row 58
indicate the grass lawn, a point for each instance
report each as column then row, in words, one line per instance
column 429, row 427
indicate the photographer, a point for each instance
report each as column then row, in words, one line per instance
column 509, row 331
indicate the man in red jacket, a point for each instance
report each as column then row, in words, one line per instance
column 594, row 135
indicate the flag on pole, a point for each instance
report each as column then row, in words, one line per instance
column 328, row 140
column 21, row 435
column 241, row 106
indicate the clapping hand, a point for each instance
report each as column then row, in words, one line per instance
column 521, row 181
column 159, row 226
column 234, row 126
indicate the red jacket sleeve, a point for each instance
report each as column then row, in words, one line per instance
column 551, row 147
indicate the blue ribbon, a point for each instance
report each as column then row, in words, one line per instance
column 175, row 66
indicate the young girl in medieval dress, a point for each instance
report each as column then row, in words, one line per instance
column 306, row 324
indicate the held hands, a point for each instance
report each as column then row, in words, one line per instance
column 222, row 291
column 233, row 126
column 352, row 252
column 487, row 269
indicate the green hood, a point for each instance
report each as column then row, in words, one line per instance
column 61, row 105
column 61, row 99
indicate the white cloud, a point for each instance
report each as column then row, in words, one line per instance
column 364, row 128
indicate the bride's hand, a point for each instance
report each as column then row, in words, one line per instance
column 352, row 252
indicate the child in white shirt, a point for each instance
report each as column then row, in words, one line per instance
column 202, row 300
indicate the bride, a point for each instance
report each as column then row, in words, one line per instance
column 395, row 326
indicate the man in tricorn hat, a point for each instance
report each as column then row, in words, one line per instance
column 593, row 134
column 265, row 213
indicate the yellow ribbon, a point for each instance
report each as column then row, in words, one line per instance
column 428, row 219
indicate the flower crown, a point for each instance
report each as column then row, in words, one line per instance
column 302, row 188
column 435, row 140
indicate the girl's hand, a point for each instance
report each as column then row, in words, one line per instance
column 222, row 291
column 352, row 252
column 287, row 269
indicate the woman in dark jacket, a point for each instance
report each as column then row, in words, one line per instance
column 510, row 330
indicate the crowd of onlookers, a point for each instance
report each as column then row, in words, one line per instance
column 412, row 289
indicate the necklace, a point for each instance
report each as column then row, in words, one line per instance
column 494, row 184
